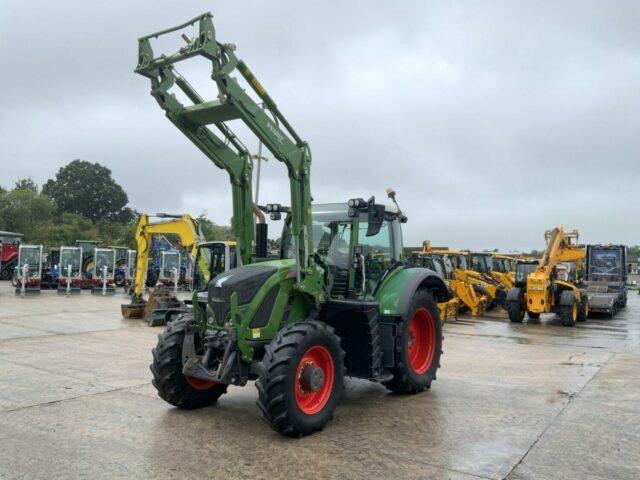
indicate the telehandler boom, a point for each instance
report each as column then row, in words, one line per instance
column 537, row 289
column 339, row 300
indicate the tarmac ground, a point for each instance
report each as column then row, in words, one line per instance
column 517, row 401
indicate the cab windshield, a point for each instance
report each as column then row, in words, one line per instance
column 606, row 265
column 523, row 270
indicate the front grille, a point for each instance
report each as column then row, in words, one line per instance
column 220, row 308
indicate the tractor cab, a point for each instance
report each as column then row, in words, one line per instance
column 357, row 243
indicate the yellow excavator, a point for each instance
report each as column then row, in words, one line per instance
column 208, row 256
column 538, row 289
column 466, row 295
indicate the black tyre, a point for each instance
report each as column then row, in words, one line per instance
column 6, row 273
column 501, row 297
column 301, row 378
column 568, row 314
column 515, row 311
column 583, row 309
column 152, row 278
column 623, row 304
column 174, row 387
column 418, row 346
column 119, row 279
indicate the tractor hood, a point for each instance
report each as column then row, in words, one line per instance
column 245, row 281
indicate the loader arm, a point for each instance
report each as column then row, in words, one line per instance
column 234, row 103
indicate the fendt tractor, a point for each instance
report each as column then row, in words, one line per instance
column 538, row 289
column 606, row 278
column 339, row 300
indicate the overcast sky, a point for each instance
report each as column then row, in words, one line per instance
column 492, row 120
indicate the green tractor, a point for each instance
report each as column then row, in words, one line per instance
column 339, row 301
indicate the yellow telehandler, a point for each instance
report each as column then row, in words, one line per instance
column 538, row 288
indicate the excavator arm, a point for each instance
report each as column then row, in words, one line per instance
column 222, row 146
column 184, row 226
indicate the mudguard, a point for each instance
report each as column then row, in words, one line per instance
column 395, row 294
column 513, row 295
column 567, row 297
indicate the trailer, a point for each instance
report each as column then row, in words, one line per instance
column 606, row 278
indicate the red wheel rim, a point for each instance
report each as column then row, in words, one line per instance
column 198, row 383
column 422, row 341
column 311, row 402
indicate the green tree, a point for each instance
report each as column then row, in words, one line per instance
column 211, row 231
column 88, row 189
column 24, row 210
column 26, row 184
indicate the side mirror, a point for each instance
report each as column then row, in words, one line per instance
column 375, row 218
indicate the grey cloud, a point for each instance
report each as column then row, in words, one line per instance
column 493, row 121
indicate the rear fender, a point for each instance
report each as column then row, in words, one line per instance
column 567, row 298
column 395, row 294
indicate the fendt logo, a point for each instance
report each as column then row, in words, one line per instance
column 278, row 135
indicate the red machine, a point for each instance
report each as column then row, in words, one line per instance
column 9, row 253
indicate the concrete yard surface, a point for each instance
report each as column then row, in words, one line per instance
column 517, row 401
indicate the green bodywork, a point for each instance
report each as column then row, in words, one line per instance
column 304, row 278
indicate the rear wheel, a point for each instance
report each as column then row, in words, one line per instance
column 301, row 378
column 173, row 386
column 568, row 314
column 515, row 311
column 418, row 346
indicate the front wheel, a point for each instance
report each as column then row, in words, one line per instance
column 301, row 378
column 569, row 314
column 173, row 386
column 418, row 346
column 515, row 311
column 118, row 279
